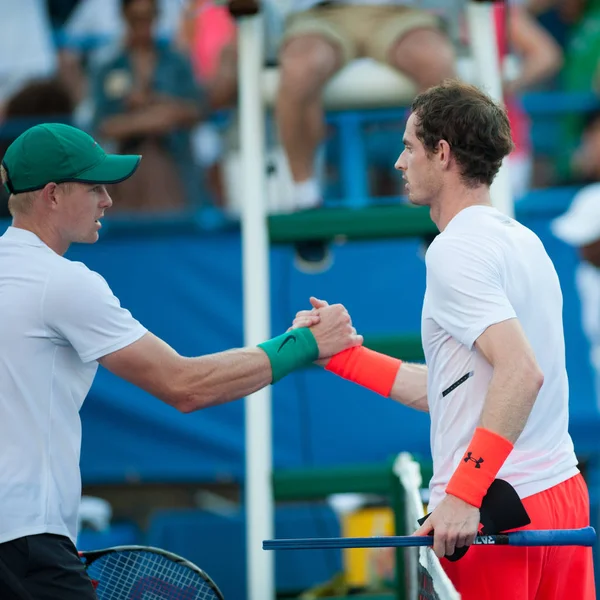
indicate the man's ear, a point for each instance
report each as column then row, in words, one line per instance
column 444, row 153
column 50, row 194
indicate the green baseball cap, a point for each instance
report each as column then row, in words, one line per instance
column 54, row 152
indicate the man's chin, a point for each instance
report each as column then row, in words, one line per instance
column 417, row 200
column 92, row 238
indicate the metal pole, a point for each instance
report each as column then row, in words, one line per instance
column 256, row 288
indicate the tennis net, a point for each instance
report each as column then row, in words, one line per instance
column 426, row 577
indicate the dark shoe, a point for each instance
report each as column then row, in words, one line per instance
column 313, row 256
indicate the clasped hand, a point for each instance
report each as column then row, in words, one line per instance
column 331, row 325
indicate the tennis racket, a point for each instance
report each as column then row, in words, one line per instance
column 142, row 572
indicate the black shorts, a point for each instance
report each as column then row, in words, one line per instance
column 43, row 567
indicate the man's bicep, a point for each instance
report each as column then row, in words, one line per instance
column 149, row 363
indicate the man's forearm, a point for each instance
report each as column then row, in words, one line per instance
column 509, row 401
column 157, row 119
column 410, row 386
column 219, row 378
column 128, row 125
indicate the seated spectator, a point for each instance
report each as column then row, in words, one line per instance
column 540, row 57
column 585, row 160
column 580, row 73
column 93, row 23
column 208, row 35
column 27, row 49
column 39, row 101
column 90, row 31
column 146, row 102
column 319, row 39
column 60, row 10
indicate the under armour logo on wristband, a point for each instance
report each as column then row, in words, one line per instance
column 477, row 461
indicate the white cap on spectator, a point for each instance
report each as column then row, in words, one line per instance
column 580, row 224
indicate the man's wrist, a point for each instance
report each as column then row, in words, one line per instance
column 290, row 351
column 368, row 368
column 479, row 466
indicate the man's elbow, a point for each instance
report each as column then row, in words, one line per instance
column 549, row 59
column 189, row 403
column 538, row 379
column 555, row 61
column 186, row 402
column 190, row 391
column 532, row 375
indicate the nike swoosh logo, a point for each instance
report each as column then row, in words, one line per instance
column 289, row 338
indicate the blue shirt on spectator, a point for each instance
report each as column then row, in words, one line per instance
column 112, row 82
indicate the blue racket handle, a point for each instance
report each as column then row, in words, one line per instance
column 552, row 537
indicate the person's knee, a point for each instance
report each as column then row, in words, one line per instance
column 306, row 64
column 426, row 56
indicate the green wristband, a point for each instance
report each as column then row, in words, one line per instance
column 290, row 351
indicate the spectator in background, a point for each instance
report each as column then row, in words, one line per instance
column 27, row 49
column 580, row 227
column 37, row 102
column 585, row 161
column 146, row 102
column 89, row 33
column 540, row 57
column 580, row 73
column 208, row 35
column 59, row 11
column 319, row 39
column 94, row 23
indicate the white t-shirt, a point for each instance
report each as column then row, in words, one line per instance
column 56, row 319
column 485, row 268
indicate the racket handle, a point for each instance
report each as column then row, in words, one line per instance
column 554, row 537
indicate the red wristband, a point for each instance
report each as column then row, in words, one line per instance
column 367, row 368
column 478, row 468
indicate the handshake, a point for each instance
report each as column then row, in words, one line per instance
column 331, row 327
column 326, row 336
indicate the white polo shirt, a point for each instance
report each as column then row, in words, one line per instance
column 56, row 319
column 485, row 268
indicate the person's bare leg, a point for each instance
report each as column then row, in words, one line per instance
column 426, row 56
column 306, row 64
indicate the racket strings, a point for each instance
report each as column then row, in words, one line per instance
column 129, row 575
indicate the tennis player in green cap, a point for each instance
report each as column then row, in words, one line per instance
column 58, row 321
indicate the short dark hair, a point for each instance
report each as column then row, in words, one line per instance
column 476, row 128
column 125, row 4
